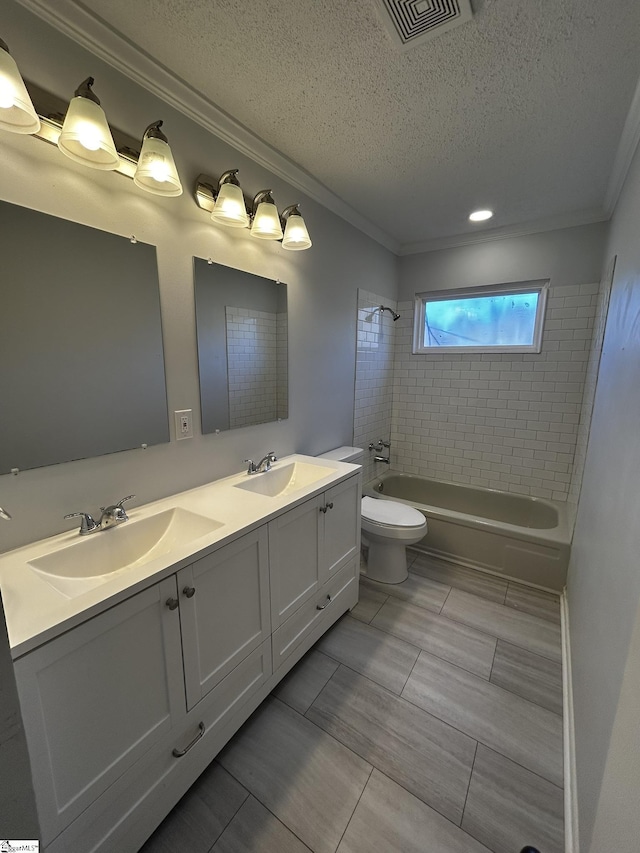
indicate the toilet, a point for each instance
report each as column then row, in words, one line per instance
column 387, row 527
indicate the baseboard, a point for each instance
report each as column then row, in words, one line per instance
column 571, row 844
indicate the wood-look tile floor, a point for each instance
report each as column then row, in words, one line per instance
column 428, row 720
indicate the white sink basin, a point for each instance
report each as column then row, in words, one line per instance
column 92, row 560
column 285, row 480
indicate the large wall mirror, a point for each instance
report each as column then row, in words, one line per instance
column 241, row 321
column 81, row 356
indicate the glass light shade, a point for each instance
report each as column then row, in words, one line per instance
column 86, row 137
column 16, row 110
column 229, row 208
column 266, row 222
column 156, row 170
column 296, row 237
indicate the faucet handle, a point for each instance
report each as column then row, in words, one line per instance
column 272, row 456
column 117, row 511
column 87, row 525
column 122, row 500
column 252, row 466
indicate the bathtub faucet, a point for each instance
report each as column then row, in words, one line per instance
column 379, row 445
column 384, row 459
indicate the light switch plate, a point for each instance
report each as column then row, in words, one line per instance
column 184, row 423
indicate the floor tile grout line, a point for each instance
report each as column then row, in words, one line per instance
column 275, row 816
column 486, row 745
column 473, row 764
column 419, row 648
column 493, row 660
column 470, row 671
column 445, row 601
column 482, row 598
column 380, row 770
column 496, row 578
column 373, row 767
column 486, row 680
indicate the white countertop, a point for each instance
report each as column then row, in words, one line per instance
column 37, row 612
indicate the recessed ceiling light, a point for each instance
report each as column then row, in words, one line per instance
column 480, row 215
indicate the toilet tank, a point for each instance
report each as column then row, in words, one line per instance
column 354, row 455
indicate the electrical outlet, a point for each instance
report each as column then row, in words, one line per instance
column 184, row 423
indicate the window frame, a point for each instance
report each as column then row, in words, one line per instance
column 540, row 286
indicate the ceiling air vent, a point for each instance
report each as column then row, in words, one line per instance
column 412, row 22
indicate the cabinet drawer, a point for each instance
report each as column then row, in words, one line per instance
column 319, row 610
column 153, row 786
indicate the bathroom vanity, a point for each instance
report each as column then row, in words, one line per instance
column 131, row 681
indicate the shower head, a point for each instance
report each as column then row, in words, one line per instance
column 393, row 313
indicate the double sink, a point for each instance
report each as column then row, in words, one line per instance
column 90, row 561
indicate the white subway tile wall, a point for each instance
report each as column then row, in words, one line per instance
column 374, row 377
column 501, row 421
column 251, row 364
column 591, row 379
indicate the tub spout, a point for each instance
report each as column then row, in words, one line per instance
column 382, row 459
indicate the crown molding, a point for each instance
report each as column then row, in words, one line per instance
column 550, row 223
column 95, row 35
column 627, row 147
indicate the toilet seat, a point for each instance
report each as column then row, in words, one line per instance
column 390, row 513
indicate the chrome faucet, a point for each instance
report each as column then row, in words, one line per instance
column 4, row 514
column 111, row 515
column 263, row 465
column 379, row 446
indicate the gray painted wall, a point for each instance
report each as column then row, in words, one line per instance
column 604, row 581
column 568, row 256
column 322, row 289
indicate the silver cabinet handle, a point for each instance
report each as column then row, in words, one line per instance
column 326, row 507
column 178, row 753
column 172, row 603
column 326, row 604
column 189, row 591
column 330, row 505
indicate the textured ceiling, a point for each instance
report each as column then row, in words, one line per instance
column 521, row 109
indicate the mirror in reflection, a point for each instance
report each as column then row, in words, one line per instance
column 242, row 328
column 81, row 355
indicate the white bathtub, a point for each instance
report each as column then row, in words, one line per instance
column 524, row 538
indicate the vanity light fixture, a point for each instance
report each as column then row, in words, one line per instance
column 17, row 113
column 156, row 170
column 266, row 221
column 226, row 203
column 85, row 136
column 480, row 215
column 296, row 237
column 229, row 208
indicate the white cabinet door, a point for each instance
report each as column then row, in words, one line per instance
column 293, row 553
column 95, row 699
column 340, row 527
column 224, row 611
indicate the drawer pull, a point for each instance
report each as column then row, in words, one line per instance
column 326, row 507
column 326, row 604
column 172, row 603
column 178, row 753
column 189, row 591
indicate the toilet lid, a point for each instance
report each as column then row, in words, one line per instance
column 391, row 513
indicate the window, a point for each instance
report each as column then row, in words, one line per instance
column 498, row 318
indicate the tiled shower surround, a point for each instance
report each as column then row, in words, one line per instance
column 374, row 376
column 500, row 421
